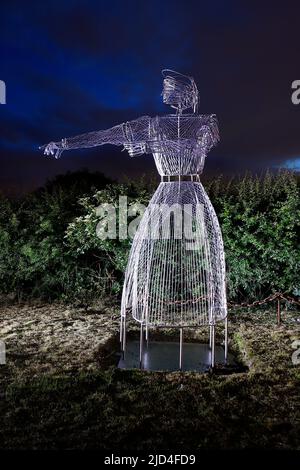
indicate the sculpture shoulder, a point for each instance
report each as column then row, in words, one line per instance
column 137, row 129
column 200, row 119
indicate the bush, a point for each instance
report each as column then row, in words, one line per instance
column 49, row 248
column 260, row 221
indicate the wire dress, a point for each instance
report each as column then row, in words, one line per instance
column 176, row 271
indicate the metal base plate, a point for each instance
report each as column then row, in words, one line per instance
column 164, row 356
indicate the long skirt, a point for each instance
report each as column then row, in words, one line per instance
column 176, row 270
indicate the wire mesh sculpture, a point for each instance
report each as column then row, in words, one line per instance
column 175, row 275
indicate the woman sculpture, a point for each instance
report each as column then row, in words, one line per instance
column 175, row 275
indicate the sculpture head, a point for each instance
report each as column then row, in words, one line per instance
column 179, row 91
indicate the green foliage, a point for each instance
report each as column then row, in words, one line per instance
column 260, row 221
column 49, row 247
column 34, row 260
column 110, row 255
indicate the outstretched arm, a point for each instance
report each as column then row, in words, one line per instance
column 115, row 136
column 136, row 131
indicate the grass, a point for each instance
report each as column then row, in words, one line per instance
column 112, row 409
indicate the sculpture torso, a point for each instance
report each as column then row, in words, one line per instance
column 179, row 143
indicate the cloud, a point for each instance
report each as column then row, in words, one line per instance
column 291, row 164
column 72, row 67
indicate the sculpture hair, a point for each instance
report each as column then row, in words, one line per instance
column 180, row 91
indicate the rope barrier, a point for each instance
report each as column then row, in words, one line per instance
column 271, row 298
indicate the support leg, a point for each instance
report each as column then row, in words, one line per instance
column 180, row 348
column 226, row 341
column 212, row 346
column 141, row 346
column 124, row 337
column 121, row 329
column 210, row 336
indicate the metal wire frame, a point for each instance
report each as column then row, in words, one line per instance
column 165, row 281
column 179, row 144
column 180, row 91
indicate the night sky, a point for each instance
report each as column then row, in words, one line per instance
column 76, row 66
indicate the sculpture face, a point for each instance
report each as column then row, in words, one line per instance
column 179, row 91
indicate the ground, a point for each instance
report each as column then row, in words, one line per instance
column 60, row 388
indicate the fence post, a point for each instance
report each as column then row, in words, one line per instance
column 278, row 311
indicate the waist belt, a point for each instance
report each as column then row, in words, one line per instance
column 171, row 178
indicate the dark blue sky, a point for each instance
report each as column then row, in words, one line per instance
column 76, row 66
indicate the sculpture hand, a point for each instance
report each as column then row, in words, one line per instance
column 52, row 149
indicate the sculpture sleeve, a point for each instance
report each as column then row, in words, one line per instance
column 132, row 134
